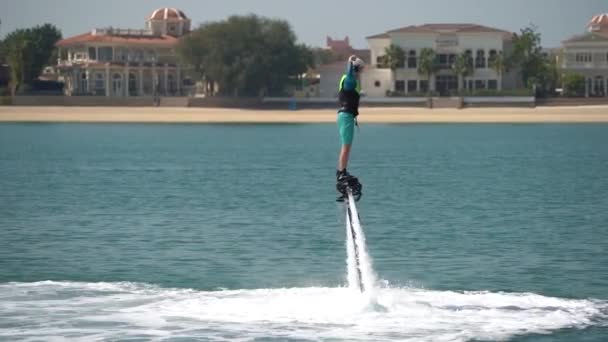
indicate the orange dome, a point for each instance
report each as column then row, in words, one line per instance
column 168, row 14
column 599, row 22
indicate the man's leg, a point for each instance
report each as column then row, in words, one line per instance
column 344, row 156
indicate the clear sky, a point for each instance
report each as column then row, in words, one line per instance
column 313, row 20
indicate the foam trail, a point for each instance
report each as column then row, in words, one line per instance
column 365, row 262
column 59, row 311
column 351, row 260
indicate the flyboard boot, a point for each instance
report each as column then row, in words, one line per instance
column 346, row 182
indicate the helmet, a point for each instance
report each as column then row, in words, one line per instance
column 358, row 63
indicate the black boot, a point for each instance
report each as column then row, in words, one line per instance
column 341, row 175
column 344, row 182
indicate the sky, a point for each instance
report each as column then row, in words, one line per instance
column 314, row 20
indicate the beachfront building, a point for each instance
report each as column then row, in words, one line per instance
column 587, row 55
column 330, row 74
column 482, row 44
column 126, row 62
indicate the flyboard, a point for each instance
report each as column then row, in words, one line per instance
column 350, row 188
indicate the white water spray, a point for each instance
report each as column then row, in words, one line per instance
column 356, row 247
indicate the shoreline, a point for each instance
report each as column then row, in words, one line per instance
column 566, row 114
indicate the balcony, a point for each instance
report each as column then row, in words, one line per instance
column 585, row 65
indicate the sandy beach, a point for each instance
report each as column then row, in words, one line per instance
column 368, row 115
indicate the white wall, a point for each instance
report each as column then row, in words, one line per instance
column 373, row 75
column 377, row 46
column 330, row 77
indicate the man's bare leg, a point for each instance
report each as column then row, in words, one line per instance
column 344, row 155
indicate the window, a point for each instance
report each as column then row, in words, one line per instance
column 380, row 62
column 469, row 56
column 480, row 84
column 377, row 84
column 451, row 59
column 132, row 84
column 172, row 84
column 446, row 60
column 583, row 57
column 92, row 53
column 492, row 56
column 480, row 60
column 117, row 85
column 105, row 54
column 122, row 55
column 84, row 83
column 151, row 56
column 492, row 84
column 100, row 84
column 424, row 85
column 400, row 86
column 411, row 59
column 412, row 86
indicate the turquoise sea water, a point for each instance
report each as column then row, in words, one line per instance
column 231, row 232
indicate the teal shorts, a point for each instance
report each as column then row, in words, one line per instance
column 346, row 127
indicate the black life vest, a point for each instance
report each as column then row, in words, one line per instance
column 349, row 101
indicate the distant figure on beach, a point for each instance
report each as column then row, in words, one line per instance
column 348, row 94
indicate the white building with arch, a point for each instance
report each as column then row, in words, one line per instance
column 448, row 41
column 125, row 62
column 587, row 55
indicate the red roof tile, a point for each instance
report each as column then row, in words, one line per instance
column 455, row 28
column 377, row 36
column 165, row 41
column 168, row 13
column 442, row 28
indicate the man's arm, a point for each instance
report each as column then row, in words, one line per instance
column 350, row 82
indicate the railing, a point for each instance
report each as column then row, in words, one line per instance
column 123, row 32
column 585, row 65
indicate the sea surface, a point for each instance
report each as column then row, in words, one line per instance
column 162, row 232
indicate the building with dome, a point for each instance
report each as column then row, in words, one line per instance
column 587, row 55
column 117, row 62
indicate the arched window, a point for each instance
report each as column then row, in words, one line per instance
column 598, row 87
column 100, row 84
column 492, row 57
column 132, row 84
column 84, row 83
column 117, row 85
column 411, row 59
column 172, row 84
column 480, row 59
column 469, row 58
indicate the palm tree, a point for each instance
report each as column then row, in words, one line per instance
column 463, row 68
column 427, row 64
column 394, row 58
column 498, row 64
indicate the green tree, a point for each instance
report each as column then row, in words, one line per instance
column 427, row 64
column 527, row 54
column 574, row 85
column 246, row 55
column 498, row 64
column 463, row 67
column 28, row 51
column 394, row 57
